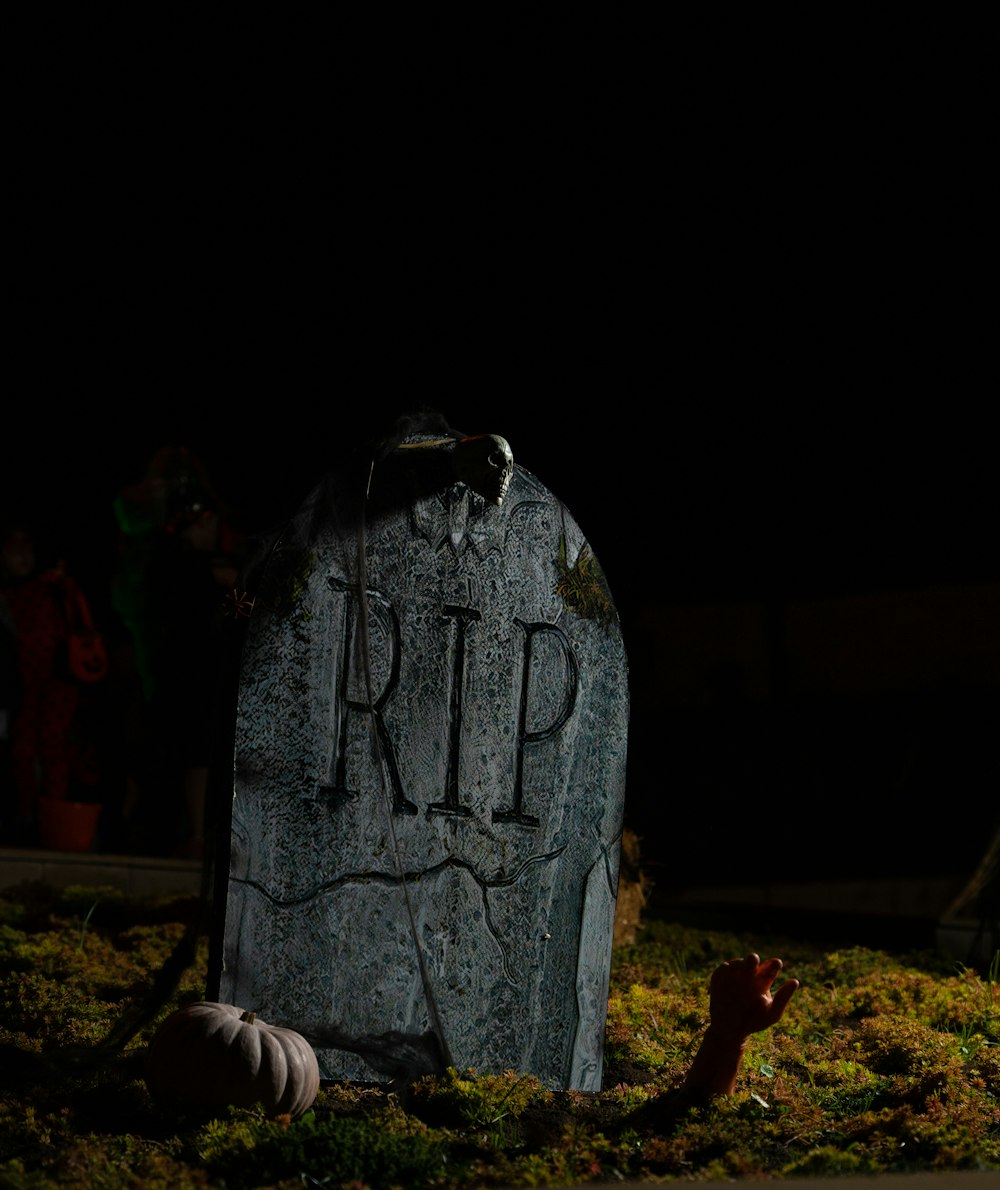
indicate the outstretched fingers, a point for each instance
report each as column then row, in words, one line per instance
column 741, row 994
column 766, row 973
column 780, row 999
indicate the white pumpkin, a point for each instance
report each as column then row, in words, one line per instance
column 209, row 1055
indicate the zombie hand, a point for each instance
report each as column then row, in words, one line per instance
column 740, row 996
column 740, row 1003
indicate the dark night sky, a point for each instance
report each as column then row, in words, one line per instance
column 718, row 289
column 717, row 286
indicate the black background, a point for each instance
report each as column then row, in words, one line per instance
column 712, row 277
column 719, row 283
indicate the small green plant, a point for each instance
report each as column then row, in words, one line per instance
column 979, row 1017
column 86, row 920
column 582, row 586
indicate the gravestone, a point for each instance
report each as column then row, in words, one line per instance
column 428, row 780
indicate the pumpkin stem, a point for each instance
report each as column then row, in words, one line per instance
column 249, row 1016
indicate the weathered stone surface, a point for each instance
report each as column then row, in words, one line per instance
column 488, row 769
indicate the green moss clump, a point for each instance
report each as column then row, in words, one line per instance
column 244, row 1151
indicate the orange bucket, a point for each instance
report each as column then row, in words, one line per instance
column 67, row 826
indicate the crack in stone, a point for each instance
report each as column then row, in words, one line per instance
column 386, row 878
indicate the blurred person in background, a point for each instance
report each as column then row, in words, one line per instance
column 178, row 563
column 41, row 724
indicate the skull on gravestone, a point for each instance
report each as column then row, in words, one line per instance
column 485, row 463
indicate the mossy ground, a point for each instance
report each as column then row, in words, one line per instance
column 883, row 1063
